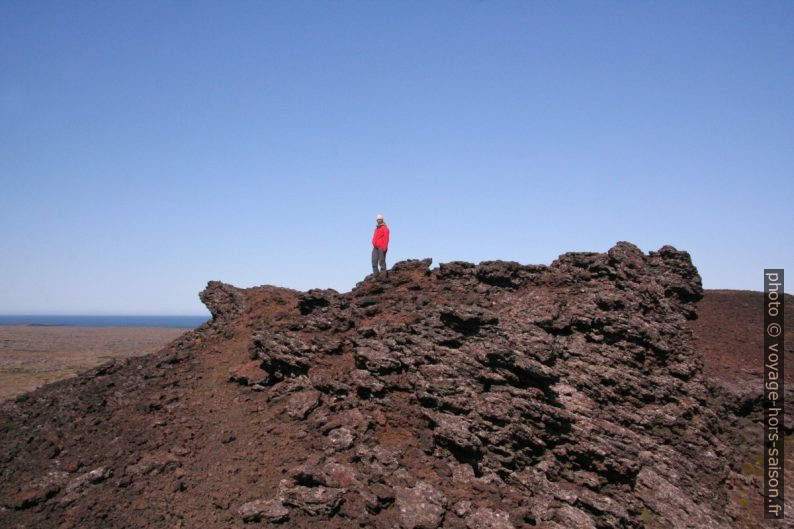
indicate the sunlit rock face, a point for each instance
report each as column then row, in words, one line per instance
column 491, row 395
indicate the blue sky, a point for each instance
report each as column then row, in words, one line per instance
column 148, row 147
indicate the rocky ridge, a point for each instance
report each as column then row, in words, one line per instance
column 486, row 396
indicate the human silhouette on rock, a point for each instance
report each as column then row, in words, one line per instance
column 380, row 245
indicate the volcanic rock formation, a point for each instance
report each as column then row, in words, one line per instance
column 488, row 396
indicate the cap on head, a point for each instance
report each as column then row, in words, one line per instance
column 379, row 217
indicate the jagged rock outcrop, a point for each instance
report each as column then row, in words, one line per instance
column 569, row 391
column 495, row 395
column 225, row 302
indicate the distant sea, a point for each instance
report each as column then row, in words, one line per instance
column 106, row 321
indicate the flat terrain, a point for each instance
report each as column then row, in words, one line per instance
column 34, row 355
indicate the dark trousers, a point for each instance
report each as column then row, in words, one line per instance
column 378, row 258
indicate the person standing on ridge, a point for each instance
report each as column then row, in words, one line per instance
column 380, row 245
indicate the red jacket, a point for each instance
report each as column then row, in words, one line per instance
column 380, row 239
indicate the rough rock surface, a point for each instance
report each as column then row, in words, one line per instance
column 491, row 396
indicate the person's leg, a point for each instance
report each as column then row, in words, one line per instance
column 382, row 259
column 375, row 260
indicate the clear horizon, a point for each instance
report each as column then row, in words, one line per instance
column 147, row 148
column 194, row 315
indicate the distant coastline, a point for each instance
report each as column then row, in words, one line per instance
column 103, row 321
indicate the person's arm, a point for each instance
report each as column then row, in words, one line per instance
column 386, row 238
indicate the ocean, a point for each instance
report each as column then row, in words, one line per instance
column 105, row 321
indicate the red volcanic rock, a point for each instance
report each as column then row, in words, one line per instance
column 493, row 395
column 225, row 302
column 249, row 373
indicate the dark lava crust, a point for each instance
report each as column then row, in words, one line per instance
column 487, row 396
